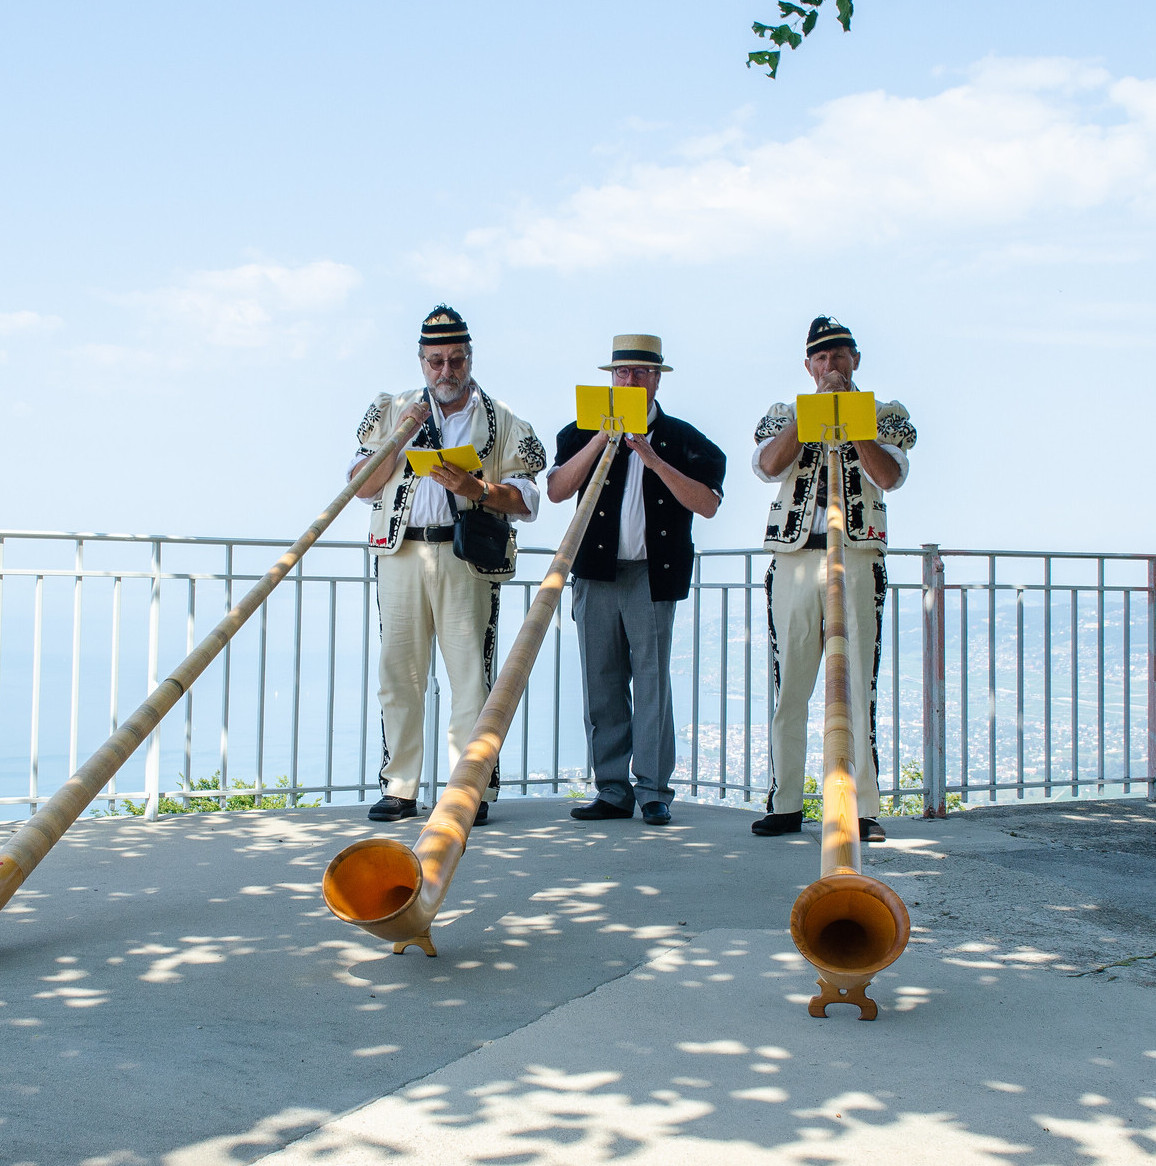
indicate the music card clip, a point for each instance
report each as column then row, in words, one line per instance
column 834, row 418
column 465, row 457
column 615, row 408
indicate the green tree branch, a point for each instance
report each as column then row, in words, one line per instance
column 798, row 22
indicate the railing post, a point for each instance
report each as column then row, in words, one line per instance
column 153, row 755
column 934, row 685
column 74, row 704
column 695, row 665
column 431, row 728
column 1152, row 680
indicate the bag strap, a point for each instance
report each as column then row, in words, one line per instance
column 436, row 438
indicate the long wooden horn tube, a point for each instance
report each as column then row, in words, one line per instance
column 847, row 925
column 393, row 892
column 24, row 850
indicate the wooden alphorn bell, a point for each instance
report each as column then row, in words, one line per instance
column 393, row 892
column 23, row 852
column 847, row 925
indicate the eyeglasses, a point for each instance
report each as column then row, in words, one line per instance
column 625, row 371
column 456, row 363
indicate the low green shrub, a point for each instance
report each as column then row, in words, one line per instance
column 237, row 798
column 907, row 805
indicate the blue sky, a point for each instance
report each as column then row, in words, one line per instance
column 221, row 224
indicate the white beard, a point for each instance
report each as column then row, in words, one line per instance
column 446, row 394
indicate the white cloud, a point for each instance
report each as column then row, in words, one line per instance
column 1019, row 142
column 117, row 357
column 24, row 322
column 256, row 305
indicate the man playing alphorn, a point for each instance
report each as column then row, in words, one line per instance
column 634, row 565
column 422, row 588
column 796, row 581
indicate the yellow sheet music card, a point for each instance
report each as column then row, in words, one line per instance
column 465, row 457
column 617, row 408
column 836, row 417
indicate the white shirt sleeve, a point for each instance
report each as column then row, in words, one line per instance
column 360, row 457
column 530, row 495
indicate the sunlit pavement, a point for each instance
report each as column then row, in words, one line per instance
column 178, row 993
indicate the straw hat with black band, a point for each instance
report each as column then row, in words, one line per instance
column 636, row 350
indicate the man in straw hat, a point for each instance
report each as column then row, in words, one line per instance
column 633, row 566
column 796, row 580
column 422, row 588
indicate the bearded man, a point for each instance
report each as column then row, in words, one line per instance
column 423, row 589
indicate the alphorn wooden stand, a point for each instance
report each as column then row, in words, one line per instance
column 847, row 925
column 24, row 850
column 393, row 892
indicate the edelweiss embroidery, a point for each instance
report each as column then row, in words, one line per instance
column 371, row 418
column 533, row 453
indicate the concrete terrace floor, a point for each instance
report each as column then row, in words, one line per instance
column 177, row 993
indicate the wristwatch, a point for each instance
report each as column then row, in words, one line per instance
column 485, row 492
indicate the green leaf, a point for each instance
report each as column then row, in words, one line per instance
column 846, row 9
column 769, row 59
column 786, row 9
column 809, row 23
column 760, row 29
column 784, row 34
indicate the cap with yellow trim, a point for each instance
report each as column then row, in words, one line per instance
column 444, row 326
column 826, row 332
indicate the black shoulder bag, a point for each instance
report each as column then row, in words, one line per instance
column 480, row 537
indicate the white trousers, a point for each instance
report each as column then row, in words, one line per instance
column 423, row 589
column 796, row 585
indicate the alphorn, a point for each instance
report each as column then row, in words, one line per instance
column 22, row 853
column 847, row 925
column 393, row 892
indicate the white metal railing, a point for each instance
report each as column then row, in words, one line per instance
column 1004, row 674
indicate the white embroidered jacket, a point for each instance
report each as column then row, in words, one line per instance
column 507, row 445
column 792, row 513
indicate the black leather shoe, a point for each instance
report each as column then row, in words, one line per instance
column 391, row 809
column 483, row 814
column 597, row 810
column 871, row 831
column 775, row 824
column 656, row 813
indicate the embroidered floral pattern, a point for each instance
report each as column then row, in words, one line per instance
column 371, row 418
column 533, row 453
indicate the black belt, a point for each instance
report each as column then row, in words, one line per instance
column 815, row 542
column 430, row 534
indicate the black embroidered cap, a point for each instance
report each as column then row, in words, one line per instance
column 636, row 348
column 444, row 326
column 825, row 333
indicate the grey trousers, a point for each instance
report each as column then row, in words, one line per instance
column 624, row 640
